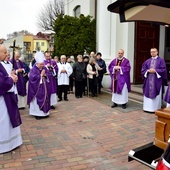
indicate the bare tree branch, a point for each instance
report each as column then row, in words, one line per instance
column 16, row 33
column 49, row 13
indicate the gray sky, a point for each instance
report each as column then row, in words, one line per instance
column 17, row 15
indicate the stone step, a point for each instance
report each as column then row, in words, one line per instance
column 136, row 89
column 135, row 94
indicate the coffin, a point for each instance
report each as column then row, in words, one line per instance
column 162, row 128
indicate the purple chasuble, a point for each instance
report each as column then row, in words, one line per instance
column 120, row 79
column 167, row 95
column 39, row 91
column 21, row 86
column 152, row 85
column 52, row 73
column 10, row 98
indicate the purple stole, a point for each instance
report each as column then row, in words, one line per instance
column 118, row 63
column 44, row 105
column 12, row 107
column 151, row 78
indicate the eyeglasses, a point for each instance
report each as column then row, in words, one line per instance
column 153, row 51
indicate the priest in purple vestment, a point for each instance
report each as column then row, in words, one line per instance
column 39, row 89
column 10, row 120
column 21, row 85
column 155, row 77
column 52, row 71
column 119, row 70
column 167, row 96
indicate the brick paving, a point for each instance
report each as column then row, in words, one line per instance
column 82, row 134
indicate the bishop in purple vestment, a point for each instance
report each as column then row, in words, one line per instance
column 38, row 89
column 155, row 76
column 119, row 70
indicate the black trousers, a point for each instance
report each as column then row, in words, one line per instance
column 93, row 85
column 57, row 86
column 100, row 78
column 79, row 87
column 62, row 88
column 85, row 86
column 70, row 83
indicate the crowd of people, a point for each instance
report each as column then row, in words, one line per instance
column 38, row 85
column 45, row 78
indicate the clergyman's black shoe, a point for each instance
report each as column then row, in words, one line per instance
column 52, row 107
column 21, row 108
column 46, row 116
column 41, row 117
column 59, row 100
column 37, row 117
column 123, row 106
column 66, row 99
column 114, row 105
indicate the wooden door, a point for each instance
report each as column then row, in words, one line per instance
column 146, row 37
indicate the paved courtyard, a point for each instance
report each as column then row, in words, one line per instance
column 82, row 134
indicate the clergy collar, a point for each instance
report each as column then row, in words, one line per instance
column 120, row 58
column 154, row 58
column 6, row 62
column 63, row 62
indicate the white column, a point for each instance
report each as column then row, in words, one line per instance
column 113, row 35
column 122, row 37
column 131, row 47
column 66, row 7
column 162, row 42
column 103, row 28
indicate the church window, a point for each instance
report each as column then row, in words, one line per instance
column 77, row 11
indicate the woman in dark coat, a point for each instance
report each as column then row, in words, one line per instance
column 79, row 70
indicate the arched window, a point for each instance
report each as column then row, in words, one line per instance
column 77, row 11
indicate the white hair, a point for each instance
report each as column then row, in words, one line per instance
column 17, row 52
column 79, row 56
column 72, row 57
column 63, row 56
